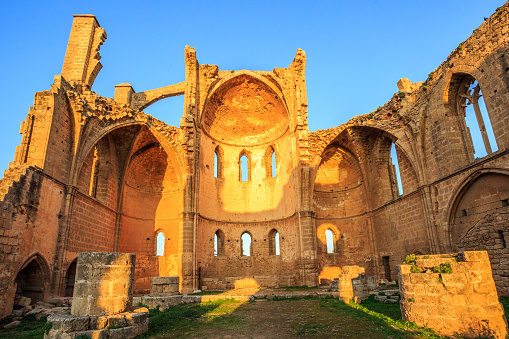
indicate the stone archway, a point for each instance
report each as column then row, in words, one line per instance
column 70, row 277
column 483, row 193
column 32, row 279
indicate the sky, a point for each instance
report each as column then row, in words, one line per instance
column 356, row 50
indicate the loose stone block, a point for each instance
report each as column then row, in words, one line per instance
column 160, row 286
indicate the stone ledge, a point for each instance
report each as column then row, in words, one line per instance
column 126, row 325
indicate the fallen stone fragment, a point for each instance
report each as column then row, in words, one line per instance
column 12, row 325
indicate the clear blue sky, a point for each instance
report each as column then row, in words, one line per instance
column 356, row 50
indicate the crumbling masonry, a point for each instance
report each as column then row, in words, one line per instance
column 242, row 193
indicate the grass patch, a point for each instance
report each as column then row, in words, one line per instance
column 379, row 318
column 186, row 317
column 30, row 328
column 390, row 310
column 207, row 293
column 310, row 328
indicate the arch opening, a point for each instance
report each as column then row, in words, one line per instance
column 274, row 167
column 30, row 280
column 244, row 167
column 160, row 244
column 394, row 168
column 329, row 238
column 218, row 243
column 274, row 242
column 477, row 119
column 245, row 244
column 70, row 277
column 485, row 194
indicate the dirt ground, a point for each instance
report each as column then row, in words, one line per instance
column 308, row 318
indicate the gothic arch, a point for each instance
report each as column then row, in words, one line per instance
column 86, row 147
column 457, row 196
column 32, row 278
column 229, row 77
column 255, row 108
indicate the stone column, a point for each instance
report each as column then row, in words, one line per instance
column 104, row 284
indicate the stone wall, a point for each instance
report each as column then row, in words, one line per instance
column 491, row 234
column 462, row 299
column 97, row 174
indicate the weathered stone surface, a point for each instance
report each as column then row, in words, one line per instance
column 452, row 302
column 124, row 325
column 164, row 285
column 104, row 284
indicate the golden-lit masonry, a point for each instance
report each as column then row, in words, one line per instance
column 242, row 193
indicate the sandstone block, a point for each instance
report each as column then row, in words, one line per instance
column 104, row 284
column 67, row 323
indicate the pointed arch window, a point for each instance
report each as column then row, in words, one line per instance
column 218, row 243
column 218, row 163
column 160, row 244
column 245, row 244
column 270, row 162
column 94, row 179
column 274, row 242
column 477, row 120
column 273, row 164
column 244, row 166
column 329, row 240
column 395, row 172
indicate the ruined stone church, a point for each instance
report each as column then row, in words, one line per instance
column 242, row 193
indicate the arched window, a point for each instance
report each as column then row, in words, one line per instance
column 244, row 166
column 394, row 169
column 329, row 238
column 273, row 164
column 476, row 116
column 270, row 162
column 274, row 242
column 245, row 244
column 218, row 169
column 218, row 243
column 94, row 179
column 98, row 187
column 160, row 244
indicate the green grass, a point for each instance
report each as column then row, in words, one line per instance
column 390, row 310
column 379, row 319
column 398, row 325
column 185, row 317
column 207, row 293
column 30, row 328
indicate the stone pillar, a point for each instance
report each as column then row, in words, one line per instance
column 81, row 63
column 104, row 284
column 308, row 264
